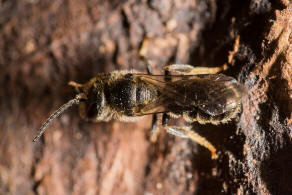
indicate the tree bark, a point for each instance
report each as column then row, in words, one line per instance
column 45, row 44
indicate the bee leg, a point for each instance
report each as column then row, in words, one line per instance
column 148, row 66
column 143, row 52
column 144, row 46
column 167, row 75
column 186, row 132
column 154, row 129
column 186, row 69
column 165, row 119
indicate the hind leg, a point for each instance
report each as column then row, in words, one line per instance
column 186, row 132
column 186, row 69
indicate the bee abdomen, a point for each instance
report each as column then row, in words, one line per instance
column 202, row 117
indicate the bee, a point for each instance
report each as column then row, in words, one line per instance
column 196, row 94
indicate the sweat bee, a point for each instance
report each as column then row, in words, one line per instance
column 195, row 93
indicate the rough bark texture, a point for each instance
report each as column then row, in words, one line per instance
column 45, row 44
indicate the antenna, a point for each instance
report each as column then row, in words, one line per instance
column 60, row 110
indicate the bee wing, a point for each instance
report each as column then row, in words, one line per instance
column 216, row 93
column 212, row 93
column 158, row 106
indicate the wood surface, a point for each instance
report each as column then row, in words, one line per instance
column 45, row 44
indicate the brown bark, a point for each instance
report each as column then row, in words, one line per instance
column 45, row 44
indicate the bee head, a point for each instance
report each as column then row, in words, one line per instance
column 93, row 107
column 90, row 99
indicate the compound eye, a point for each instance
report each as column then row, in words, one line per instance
column 93, row 110
column 94, row 103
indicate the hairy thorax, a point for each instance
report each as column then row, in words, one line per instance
column 123, row 96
